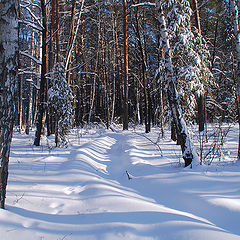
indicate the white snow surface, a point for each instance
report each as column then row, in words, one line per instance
column 83, row 192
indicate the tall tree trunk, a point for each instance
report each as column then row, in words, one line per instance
column 72, row 43
column 57, row 34
column 8, row 85
column 144, row 77
column 125, row 54
column 42, row 107
column 119, row 106
column 72, row 26
column 235, row 5
column 195, row 9
column 201, row 98
column 176, row 111
column 30, row 94
column 20, row 102
column 104, row 79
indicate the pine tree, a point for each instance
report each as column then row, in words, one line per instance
column 60, row 97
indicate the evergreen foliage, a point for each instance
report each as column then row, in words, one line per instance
column 190, row 56
column 60, row 97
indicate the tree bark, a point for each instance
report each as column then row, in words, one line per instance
column 176, row 111
column 235, row 5
column 8, row 85
column 144, row 69
column 57, row 34
column 30, row 94
column 42, row 107
column 125, row 54
column 200, row 100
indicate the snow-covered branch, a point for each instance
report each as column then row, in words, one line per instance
column 34, row 17
column 29, row 72
column 144, row 4
column 30, row 24
column 30, row 56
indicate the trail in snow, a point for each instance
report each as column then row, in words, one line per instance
column 83, row 192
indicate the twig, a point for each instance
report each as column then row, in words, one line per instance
column 17, row 200
column 65, row 236
column 129, row 177
column 155, row 143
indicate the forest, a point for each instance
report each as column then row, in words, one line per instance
column 83, row 62
column 168, row 67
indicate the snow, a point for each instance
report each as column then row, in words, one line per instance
column 83, row 192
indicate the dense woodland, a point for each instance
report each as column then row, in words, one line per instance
column 81, row 62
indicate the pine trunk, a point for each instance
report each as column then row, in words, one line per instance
column 125, row 54
column 200, row 101
column 8, row 85
column 176, row 111
column 144, row 78
column 57, row 34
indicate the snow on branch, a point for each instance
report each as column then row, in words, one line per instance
column 29, row 72
column 34, row 17
column 32, row 57
column 144, row 4
column 28, row 4
column 30, row 24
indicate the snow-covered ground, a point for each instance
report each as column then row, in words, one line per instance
column 83, row 191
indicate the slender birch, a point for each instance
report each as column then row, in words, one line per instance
column 8, row 85
column 176, row 111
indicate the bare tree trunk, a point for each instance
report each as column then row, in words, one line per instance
column 30, row 94
column 125, row 53
column 176, row 111
column 72, row 26
column 144, row 68
column 105, row 81
column 8, row 85
column 42, row 107
column 72, row 43
column 200, row 100
column 196, row 15
column 119, row 106
column 114, row 71
column 20, row 103
column 235, row 5
column 57, row 34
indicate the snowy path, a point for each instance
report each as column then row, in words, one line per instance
column 83, row 192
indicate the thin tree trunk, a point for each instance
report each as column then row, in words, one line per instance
column 20, row 103
column 30, row 94
column 72, row 26
column 125, row 54
column 114, row 71
column 119, row 108
column 8, row 85
column 57, row 34
column 235, row 5
column 72, row 43
column 196, row 15
column 42, row 108
column 105, row 82
column 200, row 100
column 144, row 68
column 176, row 111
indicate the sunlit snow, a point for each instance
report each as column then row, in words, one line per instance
column 83, row 192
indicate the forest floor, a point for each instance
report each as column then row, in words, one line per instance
column 84, row 192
